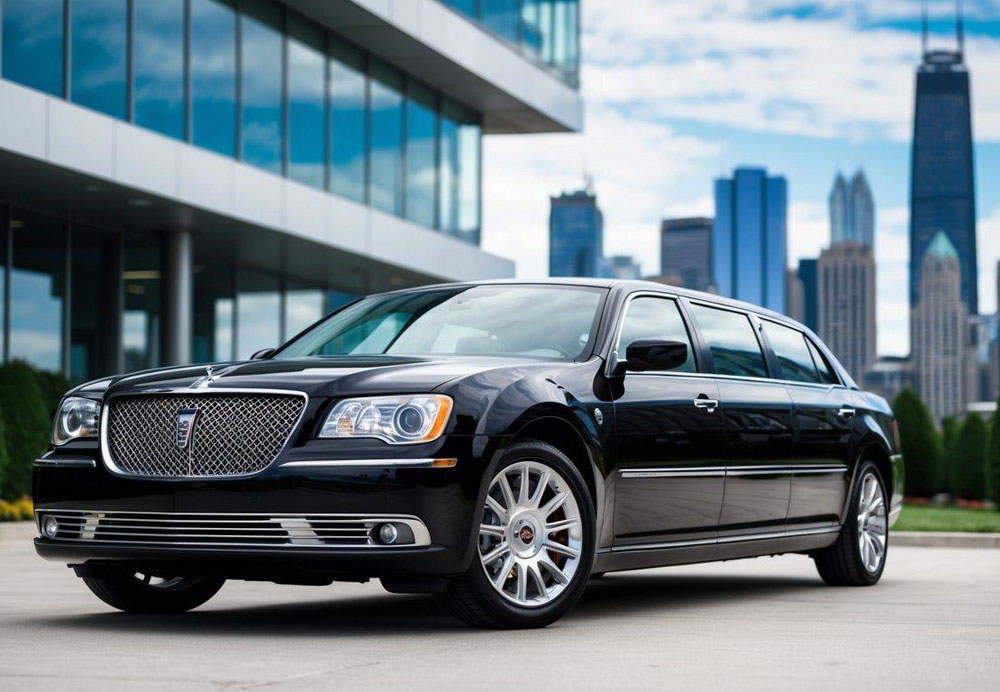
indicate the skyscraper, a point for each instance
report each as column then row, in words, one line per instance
column 808, row 276
column 939, row 329
column 942, row 196
column 686, row 251
column 749, row 237
column 846, row 300
column 624, row 267
column 576, row 235
column 852, row 210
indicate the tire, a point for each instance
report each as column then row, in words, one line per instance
column 490, row 594
column 845, row 563
column 134, row 592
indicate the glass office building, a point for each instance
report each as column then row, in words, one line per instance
column 749, row 248
column 942, row 182
column 192, row 180
column 576, row 236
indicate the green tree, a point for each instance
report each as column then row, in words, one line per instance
column 951, row 426
column 27, row 425
column 968, row 468
column 993, row 456
column 921, row 444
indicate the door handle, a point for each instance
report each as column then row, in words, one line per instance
column 846, row 412
column 707, row 405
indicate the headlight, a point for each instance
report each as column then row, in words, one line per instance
column 395, row 419
column 77, row 418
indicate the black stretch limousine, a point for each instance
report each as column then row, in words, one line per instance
column 498, row 444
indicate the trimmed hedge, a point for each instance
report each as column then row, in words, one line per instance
column 921, row 444
column 968, row 468
column 27, row 425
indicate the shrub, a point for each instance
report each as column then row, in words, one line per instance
column 20, row 510
column 993, row 457
column 921, row 444
column 27, row 424
column 53, row 386
column 951, row 426
column 968, row 468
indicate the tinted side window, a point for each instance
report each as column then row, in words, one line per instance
column 655, row 318
column 731, row 338
column 793, row 353
column 826, row 373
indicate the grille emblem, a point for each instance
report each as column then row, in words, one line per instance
column 185, row 426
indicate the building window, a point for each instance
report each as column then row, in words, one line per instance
column 37, row 290
column 421, row 154
column 98, row 40
column 213, row 76
column 141, row 317
column 502, row 17
column 386, row 143
column 33, row 44
column 214, row 300
column 459, row 171
column 348, row 124
column 303, row 305
column 158, row 66
column 94, row 272
column 258, row 317
column 261, row 61
column 306, row 102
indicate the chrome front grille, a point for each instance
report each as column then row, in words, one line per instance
column 230, row 530
column 234, row 434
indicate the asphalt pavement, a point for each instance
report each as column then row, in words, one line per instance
column 769, row 623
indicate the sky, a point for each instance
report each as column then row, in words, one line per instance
column 678, row 93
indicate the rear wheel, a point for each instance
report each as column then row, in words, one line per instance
column 144, row 592
column 858, row 556
column 535, row 544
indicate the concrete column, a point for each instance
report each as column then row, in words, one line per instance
column 178, row 297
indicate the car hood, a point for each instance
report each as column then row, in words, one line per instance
column 321, row 376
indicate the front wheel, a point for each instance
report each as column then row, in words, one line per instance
column 858, row 556
column 535, row 543
column 143, row 592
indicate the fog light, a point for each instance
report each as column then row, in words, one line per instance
column 387, row 534
column 50, row 527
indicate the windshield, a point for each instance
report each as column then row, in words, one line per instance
column 523, row 320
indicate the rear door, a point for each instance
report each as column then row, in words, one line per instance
column 757, row 415
column 824, row 415
column 671, row 473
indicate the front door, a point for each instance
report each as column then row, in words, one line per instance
column 671, row 469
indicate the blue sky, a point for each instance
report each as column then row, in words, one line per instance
column 678, row 93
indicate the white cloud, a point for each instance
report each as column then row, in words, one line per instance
column 892, row 249
column 988, row 240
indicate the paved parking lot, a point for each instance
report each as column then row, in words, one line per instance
column 933, row 622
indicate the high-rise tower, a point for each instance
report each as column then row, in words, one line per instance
column 942, row 187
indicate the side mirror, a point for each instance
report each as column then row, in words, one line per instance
column 655, row 354
column 262, row 354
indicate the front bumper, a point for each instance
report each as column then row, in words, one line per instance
column 281, row 524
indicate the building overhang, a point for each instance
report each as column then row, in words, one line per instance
column 65, row 159
column 457, row 57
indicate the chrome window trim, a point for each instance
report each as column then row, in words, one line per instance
column 747, row 538
column 346, row 463
column 190, row 391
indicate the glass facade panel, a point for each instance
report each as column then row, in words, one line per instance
column 386, row 142
column 348, row 122
column 258, row 307
column 261, row 60
column 158, row 65
column 459, row 171
column 421, row 154
column 214, row 298
column 306, row 102
column 303, row 306
column 501, row 17
column 141, row 317
column 37, row 290
column 213, row 76
column 92, row 349
column 33, row 43
column 99, row 39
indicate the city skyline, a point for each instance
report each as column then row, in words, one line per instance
column 691, row 120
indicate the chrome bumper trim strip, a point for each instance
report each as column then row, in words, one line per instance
column 399, row 463
column 67, row 462
column 709, row 471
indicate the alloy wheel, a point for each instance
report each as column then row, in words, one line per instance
column 872, row 524
column 531, row 537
